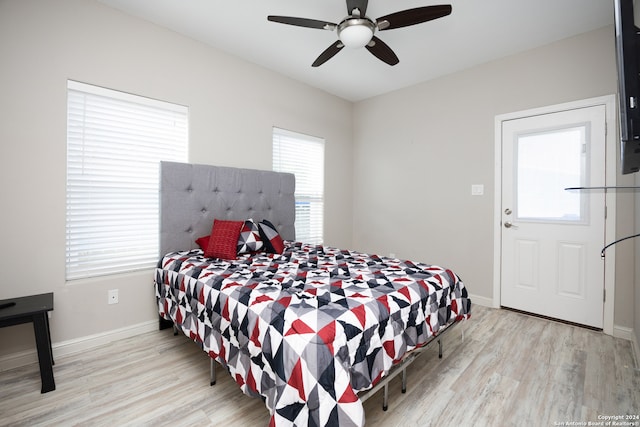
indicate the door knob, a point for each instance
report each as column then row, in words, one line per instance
column 508, row 225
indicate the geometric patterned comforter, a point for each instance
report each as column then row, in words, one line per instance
column 309, row 329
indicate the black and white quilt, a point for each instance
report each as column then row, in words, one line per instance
column 309, row 329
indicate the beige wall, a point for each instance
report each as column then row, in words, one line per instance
column 232, row 106
column 414, row 199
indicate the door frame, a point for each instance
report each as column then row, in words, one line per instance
column 611, row 138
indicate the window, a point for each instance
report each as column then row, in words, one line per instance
column 115, row 142
column 548, row 162
column 303, row 156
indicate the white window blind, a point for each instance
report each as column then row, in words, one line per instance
column 115, row 142
column 303, row 155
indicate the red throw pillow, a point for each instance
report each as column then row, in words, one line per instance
column 224, row 239
column 203, row 242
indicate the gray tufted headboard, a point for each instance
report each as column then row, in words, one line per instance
column 191, row 196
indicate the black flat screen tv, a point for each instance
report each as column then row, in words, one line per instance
column 627, row 55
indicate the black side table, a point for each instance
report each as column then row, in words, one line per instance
column 34, row 308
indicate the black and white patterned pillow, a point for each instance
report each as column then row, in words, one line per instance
column 249, row 239
column 273, row 242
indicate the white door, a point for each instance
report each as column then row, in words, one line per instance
column 552, row 237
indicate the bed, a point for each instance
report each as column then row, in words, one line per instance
column 309, row 329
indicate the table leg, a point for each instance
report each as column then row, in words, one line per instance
column 45, row 355
column 46, row 318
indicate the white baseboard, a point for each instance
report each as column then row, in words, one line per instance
column 629, row 335
column 623, row 332
column 23, row 358
column 483, row 301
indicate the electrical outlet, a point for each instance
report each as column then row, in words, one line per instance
column 113, row 296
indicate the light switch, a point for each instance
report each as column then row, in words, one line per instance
column 477, row 189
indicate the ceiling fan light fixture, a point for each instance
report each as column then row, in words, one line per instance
column 356, row 32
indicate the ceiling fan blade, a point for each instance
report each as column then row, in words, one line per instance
column 408, row 17
column 329, row 53
column 382, row 51
column 302, row 22
column 361, row 5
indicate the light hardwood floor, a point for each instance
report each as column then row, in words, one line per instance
column 510, row 369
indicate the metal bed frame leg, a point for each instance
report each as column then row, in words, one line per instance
column 401, row 369
column 385, row 397
column 404, row 380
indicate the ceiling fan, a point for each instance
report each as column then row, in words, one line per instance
column 357, row 30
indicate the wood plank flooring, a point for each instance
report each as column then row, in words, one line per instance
column 510, row 369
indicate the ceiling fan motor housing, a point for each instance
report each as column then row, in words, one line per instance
column 356, row 32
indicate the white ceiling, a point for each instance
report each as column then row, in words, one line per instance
column 477, row 31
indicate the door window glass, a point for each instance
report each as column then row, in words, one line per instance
column 547, row 163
